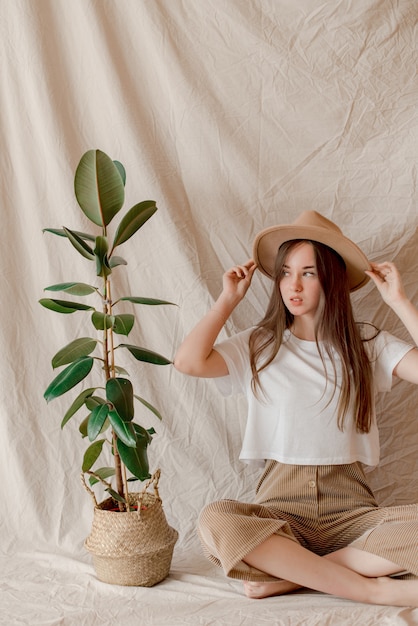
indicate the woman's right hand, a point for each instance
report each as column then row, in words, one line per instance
column 237, row 280
column 196, row 355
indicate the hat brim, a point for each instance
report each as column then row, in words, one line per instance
column 269, row 240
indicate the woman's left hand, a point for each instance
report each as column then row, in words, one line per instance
column 388, row 281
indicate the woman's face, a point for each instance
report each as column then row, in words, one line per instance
column 299, row 284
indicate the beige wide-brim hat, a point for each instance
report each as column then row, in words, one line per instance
column 314, row 226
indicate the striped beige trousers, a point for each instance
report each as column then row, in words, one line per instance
column 323, row 508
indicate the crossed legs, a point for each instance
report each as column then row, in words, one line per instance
column 348, row 573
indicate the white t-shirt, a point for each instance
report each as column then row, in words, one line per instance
column 295, row 421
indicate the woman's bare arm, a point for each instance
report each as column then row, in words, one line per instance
column 196, row 355
column 388, row 281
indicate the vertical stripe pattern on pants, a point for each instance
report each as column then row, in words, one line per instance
column 324, row 508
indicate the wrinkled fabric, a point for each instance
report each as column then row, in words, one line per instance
column 232, row 116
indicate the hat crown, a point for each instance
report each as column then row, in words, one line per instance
column 316, row 220
column 311, row 226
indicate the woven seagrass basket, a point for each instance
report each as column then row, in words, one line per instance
column 132, row 548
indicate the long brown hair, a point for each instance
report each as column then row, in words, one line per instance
column 335, row 327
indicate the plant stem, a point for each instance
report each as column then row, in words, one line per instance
column 118, row 472
column 121, row 485
column 125, row 487
column 106, row 333
column 110, row 331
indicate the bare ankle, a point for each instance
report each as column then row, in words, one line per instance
column 259, row 590
column 389, row 591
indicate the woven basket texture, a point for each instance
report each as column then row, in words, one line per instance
column 131, row 548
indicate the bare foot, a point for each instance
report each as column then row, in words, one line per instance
column 257, row 591
column 386, row 591
column 394, row 592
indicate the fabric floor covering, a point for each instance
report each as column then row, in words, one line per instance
column 233, row 116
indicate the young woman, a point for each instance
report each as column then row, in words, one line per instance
column 310, row 374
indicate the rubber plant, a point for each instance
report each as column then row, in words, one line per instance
column 99, row 186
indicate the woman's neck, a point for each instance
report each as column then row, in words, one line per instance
column 303, row 329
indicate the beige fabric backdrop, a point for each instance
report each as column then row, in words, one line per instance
column 233, row 116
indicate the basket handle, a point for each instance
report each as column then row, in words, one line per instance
column 87, row 488
column 154, row 482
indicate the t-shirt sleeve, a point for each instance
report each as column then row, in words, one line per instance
column 387, row 352
column 235, row 353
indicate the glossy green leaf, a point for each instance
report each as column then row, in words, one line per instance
column 79, row 244
column 69, row 378
column 143, row 433
column 92, row 454
column 123, row 323
column 133, row 220
column 101, row 321
column 102, row 473
column 149, row 406
column 139, row 300
column 102, row 262
column 116, row 496
column 77, row 404
column 73, row 351
column 93, row 401
column 122, row 429
column 99, row 187
column 121, row 171
column 105, row 426
column 83, row 426
column 119, row 392
column 96, row 421
column 61, row 233
column 64, row 306
column 148, row 356
column 114, row 261
column 135, row 458
column 75, row 289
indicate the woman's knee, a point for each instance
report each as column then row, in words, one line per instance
column 210, row 523
column 212, row 514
